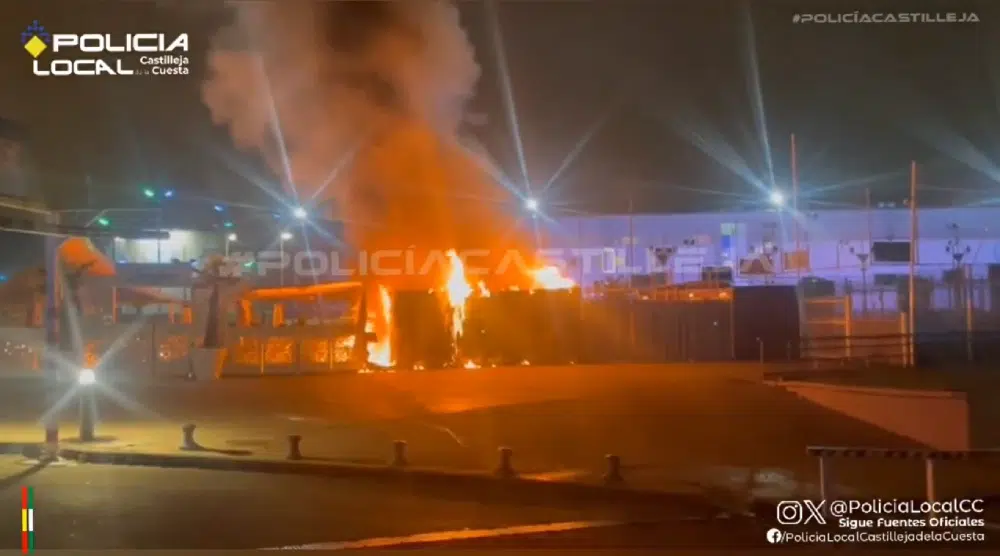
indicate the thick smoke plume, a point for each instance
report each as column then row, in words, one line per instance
column 360, row 102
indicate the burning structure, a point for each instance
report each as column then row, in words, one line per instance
column 359, row 104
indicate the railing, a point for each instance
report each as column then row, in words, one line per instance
column 928, row 348
column 692, row 291
column 825, row 455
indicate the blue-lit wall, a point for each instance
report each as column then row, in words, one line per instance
column 832, row 239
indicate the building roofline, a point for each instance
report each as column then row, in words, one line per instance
column 737, row 213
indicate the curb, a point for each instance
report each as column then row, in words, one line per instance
column 461, row 482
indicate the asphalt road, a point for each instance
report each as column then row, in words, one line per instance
column 93, row 507
column 101, row 507
column 670, row 424
column 702, row 534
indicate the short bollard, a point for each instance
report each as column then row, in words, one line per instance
column 189, row 442
column 294, row 447
column 506, row 468
column 399, row 454
column 87, row 417
column 50, row 450
column 750, row 485
column 614, row 473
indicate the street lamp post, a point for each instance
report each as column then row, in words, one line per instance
column 51, row 361
column 85, row 380
column 533, row 207
column 55, row 323
column 285, row 236
column 159, row 242
column 231, row 238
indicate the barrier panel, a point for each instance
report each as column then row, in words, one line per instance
column 510, row 327
column 421, row 329
column 766, row 323
column 940, row 419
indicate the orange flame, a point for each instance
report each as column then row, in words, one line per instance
column 550, row 278
column 380, row 351
column 458, row 290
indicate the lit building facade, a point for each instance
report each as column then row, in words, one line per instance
column 860, row 247
column 182, row 245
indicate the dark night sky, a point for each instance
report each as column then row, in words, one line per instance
column 863, row 100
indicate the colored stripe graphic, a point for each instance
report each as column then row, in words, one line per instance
column 27, row 520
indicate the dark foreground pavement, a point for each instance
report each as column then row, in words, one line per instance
column 102, row 507
column 714, row 534
column 93, row 507
column 671, row 424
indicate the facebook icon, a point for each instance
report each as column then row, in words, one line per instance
column 774, row 536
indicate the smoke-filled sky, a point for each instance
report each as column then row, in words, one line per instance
column 360, row 103
column 674, row 105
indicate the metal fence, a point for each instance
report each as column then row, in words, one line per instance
column 833, row 329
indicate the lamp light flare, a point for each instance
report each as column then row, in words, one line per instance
column 86, row 377
column 777, row 198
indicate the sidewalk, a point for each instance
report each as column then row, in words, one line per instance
column 266, row 439
column 262, row 449
column 361, row 448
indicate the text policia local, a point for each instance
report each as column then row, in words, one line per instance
column 96, row 54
